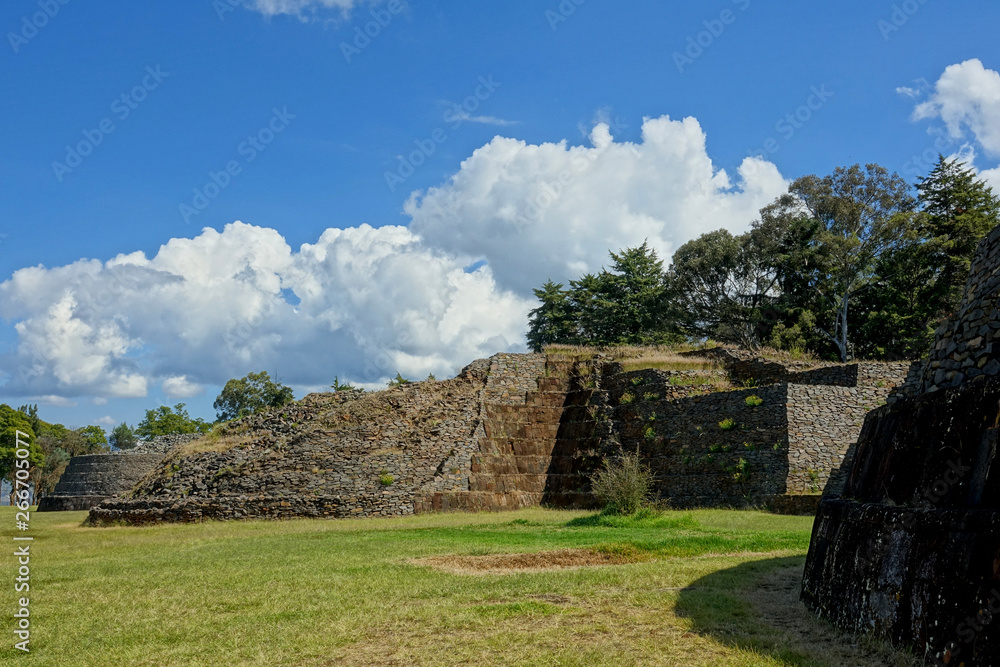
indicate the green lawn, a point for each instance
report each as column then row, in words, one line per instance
column 345, row 592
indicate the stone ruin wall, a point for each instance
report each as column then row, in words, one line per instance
column 91, row 479
column 523, row 430
column 909, row 552
column 797, row 442
column 967, row 346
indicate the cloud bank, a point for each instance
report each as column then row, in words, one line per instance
column 364, row 303
column 966, row 99
column 534, row 212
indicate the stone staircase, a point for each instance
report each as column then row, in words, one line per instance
column 532, row 449
column 91, row 479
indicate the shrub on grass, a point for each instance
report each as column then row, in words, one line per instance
column 623, row 484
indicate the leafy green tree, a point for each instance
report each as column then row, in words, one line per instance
column 123, row 437
column 721, row 284
column 12, row 421
column 166, row 421
column 859, row 213
column 625, row 305
column 47, row 475
column 553, row 320
column 251, row 394
column 31, row 412
column 920, row 281
column 590, row 300
column 95, row 438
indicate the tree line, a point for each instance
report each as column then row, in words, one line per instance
column 855, row 264
column 51, row 446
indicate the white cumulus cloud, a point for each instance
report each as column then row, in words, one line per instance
column 180, row 387
column 554, row 210
column 364, row 303
column 967, row 98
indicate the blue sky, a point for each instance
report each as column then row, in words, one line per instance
column 316, row 141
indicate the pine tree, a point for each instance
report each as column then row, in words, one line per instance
column 960, row 210
column 552, row 321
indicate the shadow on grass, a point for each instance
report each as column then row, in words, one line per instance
column 755, row 606
column 718, row 605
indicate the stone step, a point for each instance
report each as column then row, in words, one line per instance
column 576, row 431
column 508, row 483
column 567, row 484
column 579, row 397
column 70, row 503
column 497, row 430
column 507, row 446
column 553, row 384
column 570, row 500
column 560, row 367
column 538, row 465
column 552, row 399
column 526, row 413
column 476, row 501
column 576, row 413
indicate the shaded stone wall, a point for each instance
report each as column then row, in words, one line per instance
column 968, row 344
column 695, row 461
column 910, row 551
column 797, row 441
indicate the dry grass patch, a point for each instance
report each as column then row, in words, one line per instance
column 217, row 441
column 638, row 357
column 605, row 554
